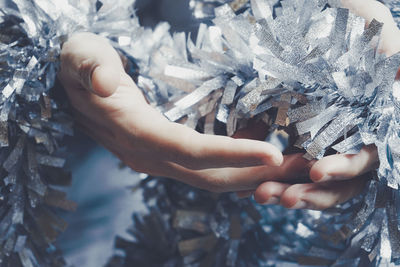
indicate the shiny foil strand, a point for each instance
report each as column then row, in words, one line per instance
column 254, row 42
column 315, row 67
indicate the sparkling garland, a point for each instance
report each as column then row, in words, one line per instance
column 33, row 122
column 297, row 62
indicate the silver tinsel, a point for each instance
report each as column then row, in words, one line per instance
column 33, row 122
column 305, row 64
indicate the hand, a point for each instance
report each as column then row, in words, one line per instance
column 337, row 178
column 109, row 107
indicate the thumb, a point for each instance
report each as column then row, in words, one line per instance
column 90, row 62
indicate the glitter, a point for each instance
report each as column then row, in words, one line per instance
column 304, row 60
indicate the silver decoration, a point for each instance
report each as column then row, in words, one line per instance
column 323, row 77
column 290, row 58
column 33, row 124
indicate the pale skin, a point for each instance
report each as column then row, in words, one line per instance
column 110, row 108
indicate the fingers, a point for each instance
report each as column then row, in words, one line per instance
column 270, row 192
column 199, row 151
column 308, row 196
column 182, row 145
column 320, row 196
column 338, row 179
column 237, row 179
column 343, row 166
column 220, row 151
column 293, row 168
column 88, row 61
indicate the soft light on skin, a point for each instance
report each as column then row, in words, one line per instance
column 372, row 9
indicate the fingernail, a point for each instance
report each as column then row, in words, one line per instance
column 272, row 201
column 299, row 205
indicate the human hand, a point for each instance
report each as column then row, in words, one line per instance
column 110, row 108
column 337, row 178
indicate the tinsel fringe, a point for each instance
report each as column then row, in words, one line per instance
column 275, row 64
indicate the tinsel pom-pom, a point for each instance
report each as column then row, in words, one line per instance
column 310, row 65
column 33, row 120
column 317, row 67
